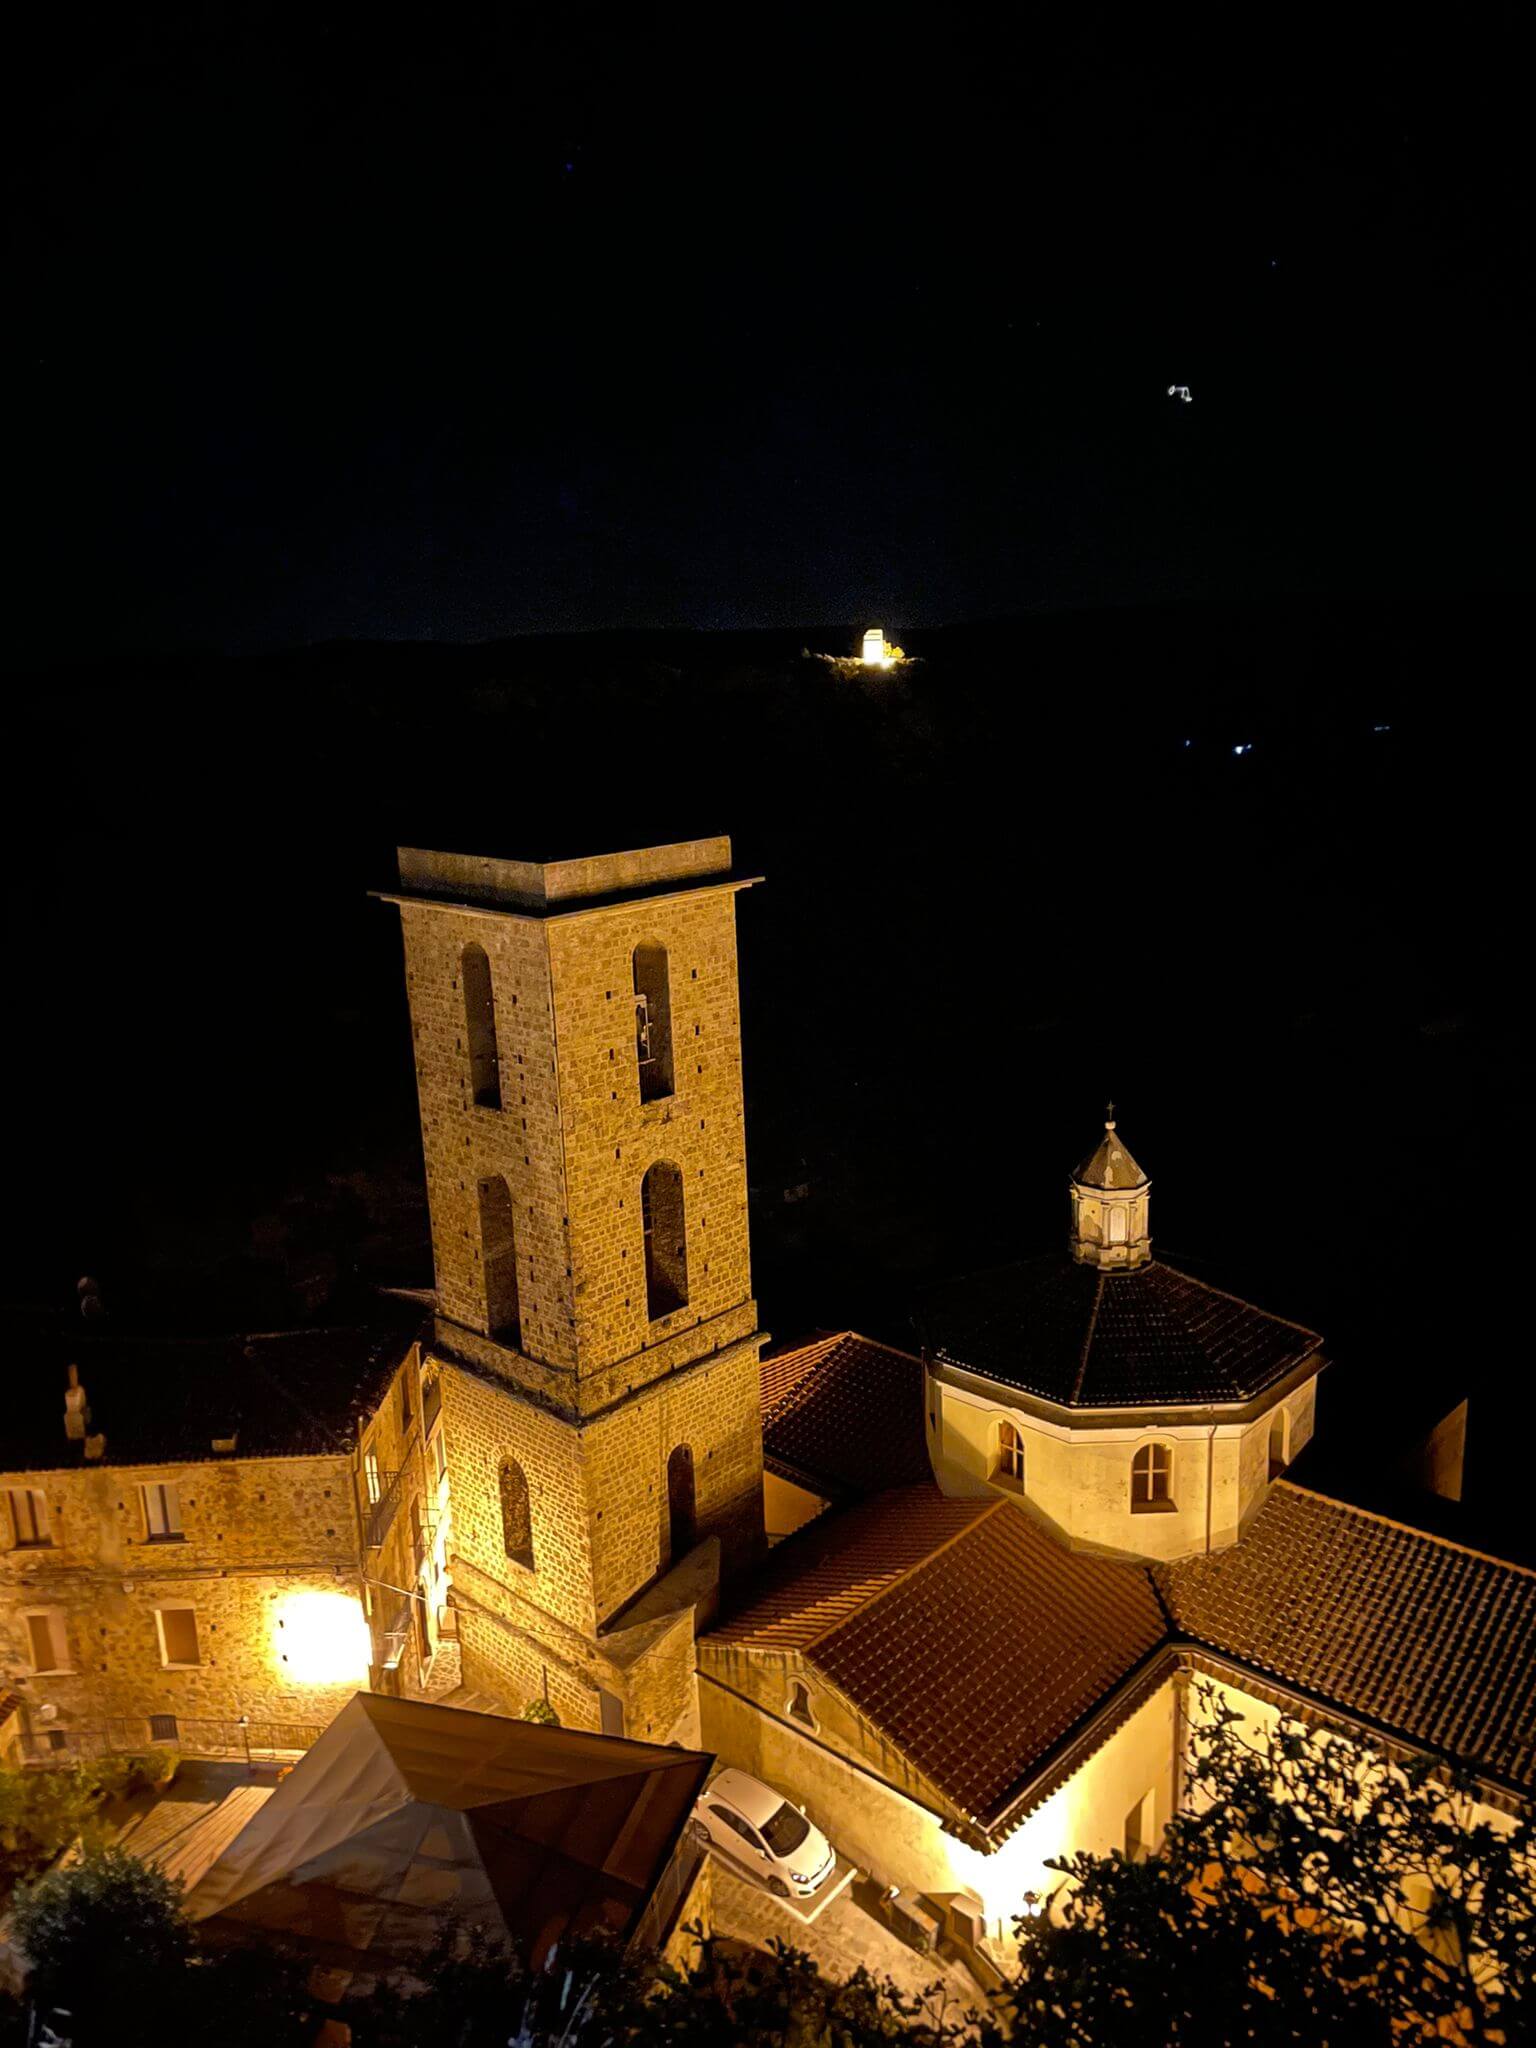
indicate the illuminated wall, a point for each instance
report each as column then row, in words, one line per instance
column 1077, row 1480
column 897, row 1834
column 268, row 1547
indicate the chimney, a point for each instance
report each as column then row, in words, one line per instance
column 77, row 1412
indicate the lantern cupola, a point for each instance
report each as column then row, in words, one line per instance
column 1109, row 1207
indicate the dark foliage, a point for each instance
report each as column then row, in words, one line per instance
column 1317, row 1893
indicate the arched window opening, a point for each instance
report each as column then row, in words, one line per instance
column 653, row 1022
column 1117, row 1226
column 498, row 1254
column 1279, row 1443
column 516, row 1513
column 480, row 1027
column 1152, row 1479
column 666, row 1243
column 682, row 1521
column 1008, row 1459
column 799, row 1708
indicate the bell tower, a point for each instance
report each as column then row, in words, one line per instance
column 578, row 1060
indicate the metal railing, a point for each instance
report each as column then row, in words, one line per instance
column 381, row 1512
column 390, row 1641
column 234, row 1739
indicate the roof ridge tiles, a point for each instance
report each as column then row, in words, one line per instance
column 1093, row 1324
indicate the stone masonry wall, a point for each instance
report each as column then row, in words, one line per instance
column 713, row 1407
column 462, row 1141
column 485, row 1424
column 257, row 1532
column 612, row 1137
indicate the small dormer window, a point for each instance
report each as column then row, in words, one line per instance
column 1152, row 1480
column 799, row 1705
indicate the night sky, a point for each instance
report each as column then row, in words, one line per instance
column 327, row 327
column 327, row 331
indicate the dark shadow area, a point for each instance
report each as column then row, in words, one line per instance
column 1029, row 871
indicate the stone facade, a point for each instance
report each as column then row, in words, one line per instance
column 266, row 1563
column 602, row 1413
column 406, row 1534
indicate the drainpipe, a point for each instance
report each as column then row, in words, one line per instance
column 1210, row 1475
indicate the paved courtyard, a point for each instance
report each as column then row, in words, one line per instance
column 838, row 1941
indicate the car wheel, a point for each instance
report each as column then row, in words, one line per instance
column 778, row 1887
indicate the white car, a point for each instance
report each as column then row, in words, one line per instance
column 756, row 1826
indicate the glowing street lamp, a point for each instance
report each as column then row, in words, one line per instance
column 321, row 1638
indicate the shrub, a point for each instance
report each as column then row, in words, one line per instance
column 107, row 1940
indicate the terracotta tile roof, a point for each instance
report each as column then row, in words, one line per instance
column 979, row 1661
column 1430, row 1640
column 962, row 1630
column 979, row 1647
column 848, row 1411
column 1071, row 1334
column 829, row 1569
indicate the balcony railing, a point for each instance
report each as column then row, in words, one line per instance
column 381, row 1512
column 390, row 1641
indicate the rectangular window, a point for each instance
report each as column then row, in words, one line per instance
column 162, row 1728
column 178, row 1636
column 162, row 1513
column 372, row 1477
column 439, row 1458
column 29, row 1517
column 47, row 1640
column 431, row 1402
column 405, row 1400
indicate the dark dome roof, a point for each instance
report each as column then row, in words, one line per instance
column 1153, row 1338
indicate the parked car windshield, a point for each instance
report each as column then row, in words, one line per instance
column 786, row 1831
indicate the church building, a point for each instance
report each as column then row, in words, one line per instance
column 956, row 1598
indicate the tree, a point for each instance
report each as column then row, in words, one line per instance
column 1314, row 1891
column 107, row 1940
